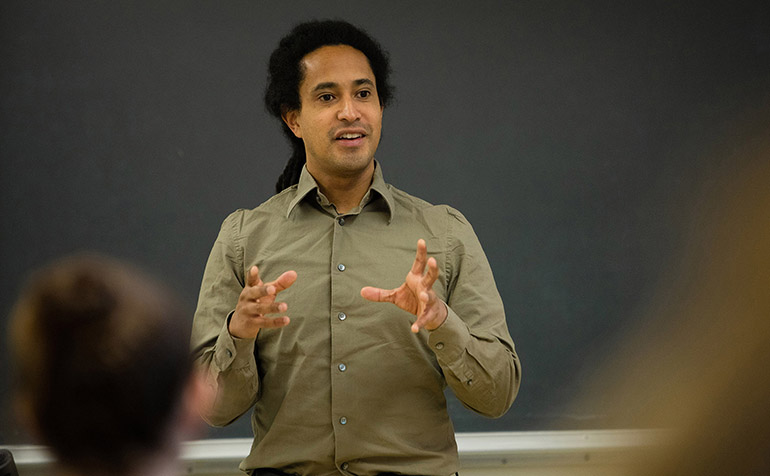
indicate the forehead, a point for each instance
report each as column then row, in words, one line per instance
column 340, row 64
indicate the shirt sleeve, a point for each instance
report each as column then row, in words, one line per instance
column 473, row 346
column 228, row 361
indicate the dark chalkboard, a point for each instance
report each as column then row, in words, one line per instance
column 573, row 135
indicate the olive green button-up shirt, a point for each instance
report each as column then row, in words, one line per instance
column 346, row 388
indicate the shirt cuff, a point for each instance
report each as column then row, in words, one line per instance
column 450, row 339
column 232, row 351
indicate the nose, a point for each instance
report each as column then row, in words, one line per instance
column 348, row 110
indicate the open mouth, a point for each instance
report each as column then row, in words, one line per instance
column 350, row 136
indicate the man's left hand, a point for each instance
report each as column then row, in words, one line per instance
column 416, row 295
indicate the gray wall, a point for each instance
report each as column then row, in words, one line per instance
column 573, row 135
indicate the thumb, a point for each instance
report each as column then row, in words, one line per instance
column 376, row 294
column 285, row 280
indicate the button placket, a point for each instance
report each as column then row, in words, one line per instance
column 340, row 340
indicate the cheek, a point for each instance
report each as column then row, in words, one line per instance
column 377, row 129
column 375, row 121
column 313, row 132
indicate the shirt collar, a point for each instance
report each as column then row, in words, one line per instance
column 307, row 184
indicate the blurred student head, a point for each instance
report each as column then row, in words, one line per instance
column 102, row 367
column 700, row 365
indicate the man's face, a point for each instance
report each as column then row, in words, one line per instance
column 340, row 118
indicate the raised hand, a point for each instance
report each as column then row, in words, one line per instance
column 256, row 301
column 416, row 295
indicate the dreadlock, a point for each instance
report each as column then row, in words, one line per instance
column 285, row 75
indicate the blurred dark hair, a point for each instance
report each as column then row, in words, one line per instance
column 285, row 75
column 101, row 360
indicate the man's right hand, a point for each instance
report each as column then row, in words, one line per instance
column 256, row 301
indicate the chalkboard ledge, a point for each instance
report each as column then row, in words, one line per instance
column 552, row 453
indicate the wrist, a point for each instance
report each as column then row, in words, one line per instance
column 237, row 330
column 440, row 318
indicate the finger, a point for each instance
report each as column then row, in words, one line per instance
column 260, row 308
column 284, row 281
column 272, row 322
column 419, row 260
column 426, row 314
column 252, row 279
column 377, row 295
column 259, row 292
column 432, row 274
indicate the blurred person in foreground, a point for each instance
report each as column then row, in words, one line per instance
column 699, row 368
column 102, row 369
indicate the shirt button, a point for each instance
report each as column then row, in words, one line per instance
column 344, row 466
column 342, row 316
column 440, row 345
column 341, row 267
column 343, row 421
column 469, row 382
column 342, row 367
column 229, row 353
column 341, row 221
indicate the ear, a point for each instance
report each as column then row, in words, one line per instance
column 291, row 117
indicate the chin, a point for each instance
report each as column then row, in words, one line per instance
column 354, row 164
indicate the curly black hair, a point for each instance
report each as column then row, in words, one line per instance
column 285, row 75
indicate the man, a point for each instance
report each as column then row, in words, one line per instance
column 348, row 385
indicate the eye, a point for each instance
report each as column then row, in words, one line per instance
column 363, row 94
column 325, row 97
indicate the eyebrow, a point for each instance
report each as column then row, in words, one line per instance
column 332, row 85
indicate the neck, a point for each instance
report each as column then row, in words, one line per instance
column 345, row 192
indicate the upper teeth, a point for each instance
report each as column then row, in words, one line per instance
column 350, row 136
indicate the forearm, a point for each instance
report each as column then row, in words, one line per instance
column 232, row 371
column 481, row 367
